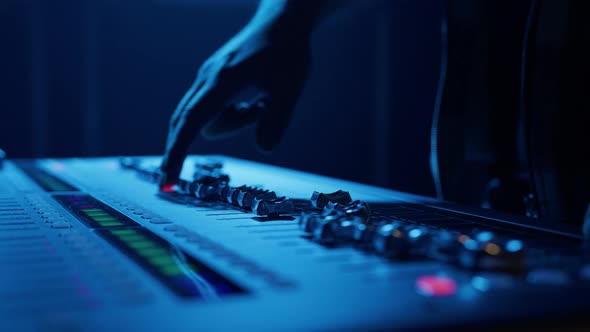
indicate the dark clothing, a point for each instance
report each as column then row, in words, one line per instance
column 531, row 141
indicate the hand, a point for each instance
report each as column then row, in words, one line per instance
column 269, row 56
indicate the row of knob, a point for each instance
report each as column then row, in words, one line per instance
column 260, row 201
column 351, row 224
column 211, row 184
column 339, row 220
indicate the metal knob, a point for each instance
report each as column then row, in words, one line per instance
column 391, row 241
column 308, row 221
column 497, row 255
column 446, row 245
column 336, row 230
column 185, row 187
column 207, row 190
column 231, row 195
column 247, row 195
column 273, row 207
column 356, row 208
column 320, row 200
column 209, row 169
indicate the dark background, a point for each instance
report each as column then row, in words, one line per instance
column 102, row 77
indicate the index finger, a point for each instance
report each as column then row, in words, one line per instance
column 186, row 125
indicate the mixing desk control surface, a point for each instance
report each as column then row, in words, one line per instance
column 95, row 244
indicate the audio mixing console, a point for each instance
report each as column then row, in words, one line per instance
column 95, row 245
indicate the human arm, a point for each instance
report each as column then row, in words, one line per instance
column 272, row 54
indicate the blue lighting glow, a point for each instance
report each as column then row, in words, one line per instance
column 514, row 245
column 480, row 283
column 414, row 233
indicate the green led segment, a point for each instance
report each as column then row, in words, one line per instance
column 171, row 270
column 110, row 224
column 124, row 232
column 166, row 263
column 131, row 238
column 47, row 181
column 162, row 260
column 153, row 252
column 97, row 214
column 157, row 255
column 104, row 218
column 142, row 244
column 93, row 212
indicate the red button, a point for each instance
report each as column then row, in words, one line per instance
column 437, row 286
column 168, row 187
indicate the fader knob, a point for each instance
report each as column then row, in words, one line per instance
column 207, row 191
column 246, row 197
column 184, row 187
column 221, row 191
column 231, row 195
column 356, row 208
column 320, row 200
column 273, row 207
column 200, row 176
column 235, row 194
column 209, row 169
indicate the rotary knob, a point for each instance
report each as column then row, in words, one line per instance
column 391, row 241
column 364, row 234
column 337, row 230
column 419, row 239
column 493, row 255
column 446, row 245
column 311, row 222
column 320, row 200
column 356, row 208
column 273, row 207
